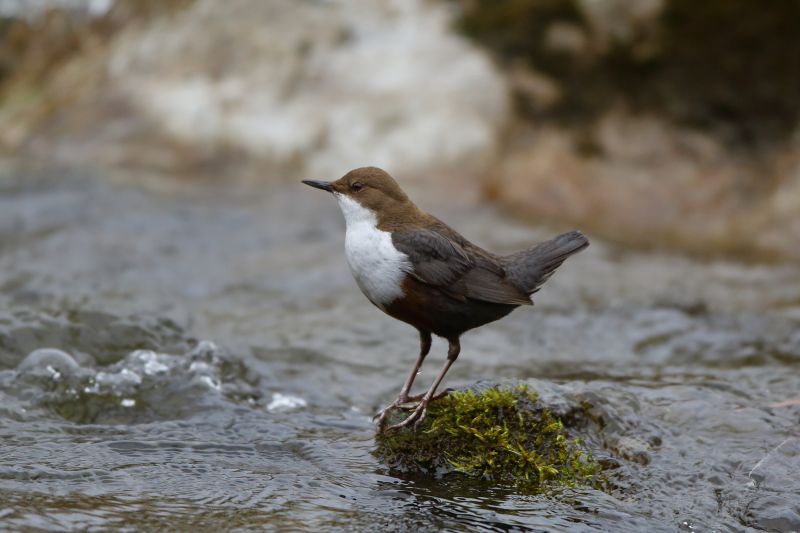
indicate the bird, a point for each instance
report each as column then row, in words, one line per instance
column 417, row 269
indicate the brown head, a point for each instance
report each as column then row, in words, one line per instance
column 373, row 189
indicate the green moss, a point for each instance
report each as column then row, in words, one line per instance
column 501, row 434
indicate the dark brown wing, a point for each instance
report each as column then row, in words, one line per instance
column 460, row 271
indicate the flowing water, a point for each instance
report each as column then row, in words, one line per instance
column 198, row 357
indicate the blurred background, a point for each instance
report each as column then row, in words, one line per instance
column 183, row 347
column 659, row 123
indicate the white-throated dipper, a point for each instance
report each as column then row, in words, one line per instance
column 417, row 269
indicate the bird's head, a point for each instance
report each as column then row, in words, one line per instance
column 367, row 188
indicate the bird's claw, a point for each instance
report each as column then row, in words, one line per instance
column 407, row 403
column 416, row 417
column 399, row 402
column 413, row 401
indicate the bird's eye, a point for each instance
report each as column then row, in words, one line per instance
column 356, row 186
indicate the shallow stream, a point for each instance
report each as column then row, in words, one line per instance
column 214, row 366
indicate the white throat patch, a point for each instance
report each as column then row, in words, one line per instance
column 376, row 264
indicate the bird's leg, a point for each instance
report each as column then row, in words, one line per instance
column 419, row 413
column 402, row 398
column 424, row 349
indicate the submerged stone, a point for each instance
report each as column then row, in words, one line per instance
column 501, row 433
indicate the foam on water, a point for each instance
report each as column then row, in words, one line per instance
column 144, row 385
column 281, row 402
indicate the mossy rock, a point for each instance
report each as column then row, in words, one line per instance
column 502, row 433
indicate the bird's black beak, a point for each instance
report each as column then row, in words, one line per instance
column 324, row 185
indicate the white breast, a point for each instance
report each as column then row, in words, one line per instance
column 376, row 264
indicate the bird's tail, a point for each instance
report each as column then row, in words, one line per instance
column 530, row 268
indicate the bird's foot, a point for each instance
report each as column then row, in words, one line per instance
column 416, row 417
column 406, row 403
column 413, row 401
column 383, row 414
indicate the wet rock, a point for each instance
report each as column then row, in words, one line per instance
column 502, row 433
